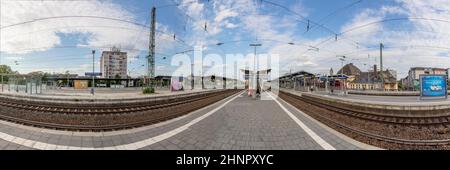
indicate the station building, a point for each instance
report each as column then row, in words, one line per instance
column 370, row 80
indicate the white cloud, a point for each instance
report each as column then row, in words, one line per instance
column 193, row 8
column 22, row 11
column 408, row 42
column 42, row 35
column 224, row 14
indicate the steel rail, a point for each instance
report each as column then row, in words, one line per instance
column 292, row 99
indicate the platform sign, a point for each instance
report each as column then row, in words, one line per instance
column 89, row 74
column 433, row 86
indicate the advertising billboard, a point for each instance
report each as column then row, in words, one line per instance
column 176, row 84
column 433, row 86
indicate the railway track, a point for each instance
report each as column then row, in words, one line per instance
column 105, row 116
column 297, row 101
column 379, row 117
column 114, row 107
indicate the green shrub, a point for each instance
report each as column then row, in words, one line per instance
column 148, row 90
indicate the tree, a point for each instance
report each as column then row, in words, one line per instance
column 40, row 74
column 213, row 78
column 36, row 73
column 67, row 74
column 400, row 85
column 117, row 76
column 4, row 69
column 45, row 76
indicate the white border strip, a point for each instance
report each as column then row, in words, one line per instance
column 131, row 146
column 325, row 145
column 338, row 134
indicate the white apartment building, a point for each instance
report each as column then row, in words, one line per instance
column 414, row 73
column 448, row 74
column 113, row 64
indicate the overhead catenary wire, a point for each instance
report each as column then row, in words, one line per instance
column 122, row 7
column 112, row 27
column 98, row 17
column 386, row 48
column 313, row 27
column 72, row 16
column 299, row 15
column 391, row 20
column 175, row 4
column 310, row 21
column 377, row 22
column 83, row 16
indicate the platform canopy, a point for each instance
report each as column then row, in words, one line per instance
column 297, row 74
column 258, row 72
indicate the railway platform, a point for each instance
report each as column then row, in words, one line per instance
column 377, row 99
column 385, row 121
column 105, row 95
column 236, row 123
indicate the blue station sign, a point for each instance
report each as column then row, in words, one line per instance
column 89, row 74
column 434, row 86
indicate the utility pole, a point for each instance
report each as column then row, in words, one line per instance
column 342, row 73
column 304, row 83
column 236, row 75
column 255, row 78
column 368, row 76
column 151, row 51
column 314, row 83
column 1, row 35
column 68, row 74
column 381, row 66
column 343, row 82
column 368, row 71
column 224, row 79
column 93, row 72
column 192, row 76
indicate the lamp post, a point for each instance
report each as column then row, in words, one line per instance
column 342, row 58
column 258, row 45
column 256, row 81
column 326, row 84
column 192, row 76
column 68, row 76
column 93, row 73
column 381, row 66
column 304, row 83
column 368, row 71
column 317, row 80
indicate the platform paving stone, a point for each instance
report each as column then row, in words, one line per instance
column 326, row 135
column 5, row 145
column 246, row 123
column 72, row 140
column 242, row 124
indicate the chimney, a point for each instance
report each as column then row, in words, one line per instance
column 375, row 70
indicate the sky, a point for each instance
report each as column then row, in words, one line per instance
column 59, row 35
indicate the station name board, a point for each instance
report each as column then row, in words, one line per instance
column 433, row 86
